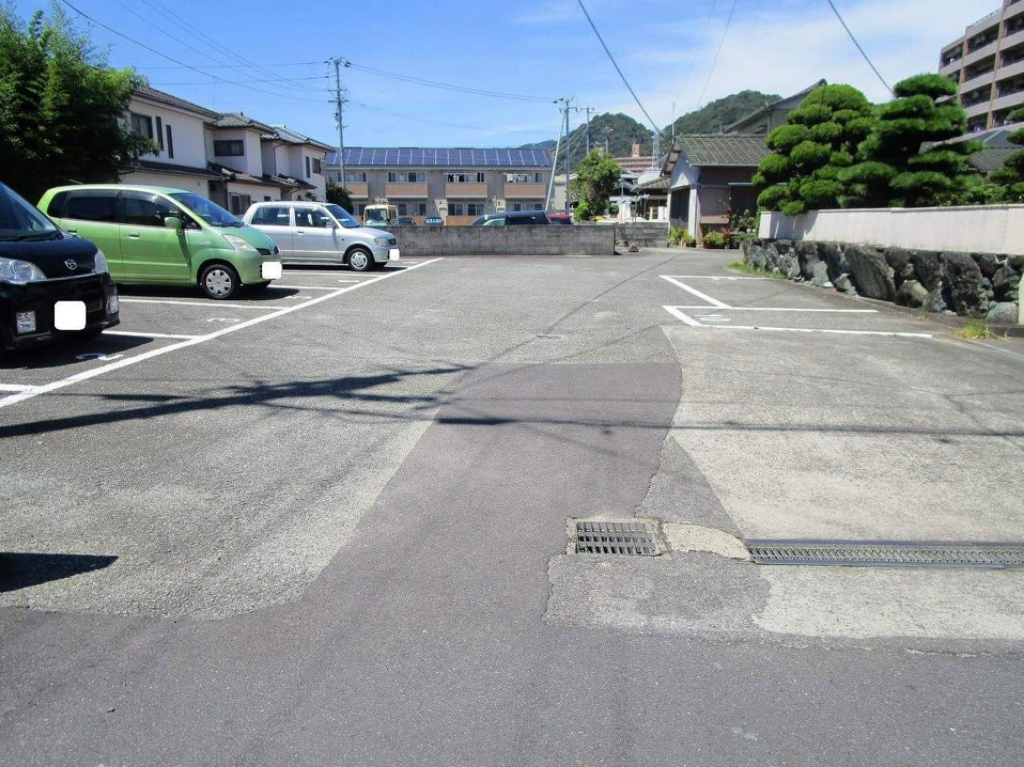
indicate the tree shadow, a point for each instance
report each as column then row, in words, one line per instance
column 21, row 570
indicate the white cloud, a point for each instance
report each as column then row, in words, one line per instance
column 789, row 45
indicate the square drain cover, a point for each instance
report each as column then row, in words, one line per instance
column 631, row 539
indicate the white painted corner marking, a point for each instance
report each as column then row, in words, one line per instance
column 693, row 291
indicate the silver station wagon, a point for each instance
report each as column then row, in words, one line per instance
column 320, row 233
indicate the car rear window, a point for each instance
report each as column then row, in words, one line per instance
column 100, row 205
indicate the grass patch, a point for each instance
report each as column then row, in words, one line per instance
column 742, row 266
column 975, row 330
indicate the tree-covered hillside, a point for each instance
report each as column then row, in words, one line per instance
column 711, row 118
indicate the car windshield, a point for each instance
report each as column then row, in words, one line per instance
column 19, row 219
column 343, row 216
column 376, row 215
column 210, row 212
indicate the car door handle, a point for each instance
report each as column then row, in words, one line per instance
column 71, row 229
column 299, row 232
column 133, row 235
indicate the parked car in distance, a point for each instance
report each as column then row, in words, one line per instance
column 406, row 221
column 380, row 215
column 52, row 284
column 156, row 235
column 561, row 219
column 513, row 218
column 322, row 232
column 434, row 221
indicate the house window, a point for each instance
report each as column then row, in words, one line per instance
column 143, row 125
column 160, row 133
column 462, row 177
column 406, row 177
column 318, row 166
column 517, row 206
column 524, row 178
column 538, row 206
column 403, row 209
column 232, row 148
column 420, row 208
column 307, row 166
column 474, row 208
column 170, row 143
column 357, row 178
column 456, row 209
column 360, row 208
column 240, row 203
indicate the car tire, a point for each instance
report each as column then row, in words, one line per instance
column 360, row 260
column 219, row 281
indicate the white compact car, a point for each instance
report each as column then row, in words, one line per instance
column 320, row 233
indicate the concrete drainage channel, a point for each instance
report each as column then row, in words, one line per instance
column 653, row 538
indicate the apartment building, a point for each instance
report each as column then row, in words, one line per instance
column 456, row 184
column 228, row 157
column 987, row 63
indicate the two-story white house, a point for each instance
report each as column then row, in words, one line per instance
column 230, row 158
column 178, row 127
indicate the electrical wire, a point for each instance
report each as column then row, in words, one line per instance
column 693, row 61
column 444, row 124
column 859, row 48
column 444, row 86
column 714, row 62
column 237, row 66
column 172, row 59
column 240, row 82
column 615, row 64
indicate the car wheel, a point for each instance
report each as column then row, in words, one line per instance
column 219, row 281
column 360, row 260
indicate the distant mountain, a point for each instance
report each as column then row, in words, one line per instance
column 713, row 117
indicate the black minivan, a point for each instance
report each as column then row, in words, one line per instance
column 52, row 285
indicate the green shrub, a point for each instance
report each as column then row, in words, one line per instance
column 714, row 240
column 677, row 235
column 690, row 241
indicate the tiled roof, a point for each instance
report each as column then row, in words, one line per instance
column 239, row 120
column 241, row 177
column 456, row 158
column 169, row 167
column 728, row 150
column 635, row 164
column 654, row 184
column 291, row 137
column 992, row 158
column 144, row 91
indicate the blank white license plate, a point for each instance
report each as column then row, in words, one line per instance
column 271, row 270
column 69, row 315
column 394, row 254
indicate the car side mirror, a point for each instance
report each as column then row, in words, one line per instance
column 331, row 224
column 175, row 223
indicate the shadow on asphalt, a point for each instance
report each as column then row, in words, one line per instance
column 194, row 294
column 19, row 571
column 71, row 351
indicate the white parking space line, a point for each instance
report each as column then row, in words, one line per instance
column 318, row 274
column 693, row 291
column 15, row 387
column 302, row 287
column 676, row 311
column 146, row 335
column 776, row 309
column 209, row 305
column 712, row 277
column 85, row 375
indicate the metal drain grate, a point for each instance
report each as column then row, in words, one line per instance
column 887, row 554
column 631, row 539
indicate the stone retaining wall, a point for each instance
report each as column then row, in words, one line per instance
column 969, row 284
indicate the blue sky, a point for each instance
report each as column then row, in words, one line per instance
column 541, row 48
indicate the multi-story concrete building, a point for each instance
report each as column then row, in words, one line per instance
column 987, row 62
column 456, row 184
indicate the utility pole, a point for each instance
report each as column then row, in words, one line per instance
column 588, row 110
column 566, row 104
column 607, row 132
column 340, row 103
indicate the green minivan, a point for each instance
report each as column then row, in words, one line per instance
column 157, row 235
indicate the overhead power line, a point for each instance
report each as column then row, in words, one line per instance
column 693, row 63
column 859, row 48
column 240, row 82
column 611, row 58
column 445, row 86
column 163, row 55
column 239, row 66
column 714, row 62
column 443, row 124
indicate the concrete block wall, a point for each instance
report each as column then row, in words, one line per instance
column 646, row 234
column 417, row 241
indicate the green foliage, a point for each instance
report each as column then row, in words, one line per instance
column 597, row 176
column 714, row 240
column 582, row 211
column 61, row 109
column 676, row 235
column 893, row 170
column 1009, row 180
column 810, row 151
column 339, row 195
column 716, row 115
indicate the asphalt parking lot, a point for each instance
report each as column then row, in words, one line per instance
column 329, row 526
